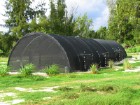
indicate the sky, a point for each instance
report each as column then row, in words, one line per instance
column 96, row 10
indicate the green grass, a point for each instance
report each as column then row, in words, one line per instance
column 108, row 87
column 3, row 59
column 133, row 49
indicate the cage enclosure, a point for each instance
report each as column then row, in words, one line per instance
column 69, row 52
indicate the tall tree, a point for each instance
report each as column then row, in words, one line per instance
column 124, row 21
column 101, row 33
column 60, row 21
column 83, row 26
column 19, row 15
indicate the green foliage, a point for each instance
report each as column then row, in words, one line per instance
column 124, row 21
column 82, row 26
column 70, row 96
column 85, row 88
column 4, row 70
column 19, row 14
column 60, row 21
column 109, row 89
column 52, row 70
column 133, row 49
column 111, row 63
column 27, row 70
column 126, row 65
column 1, row 51
column 93, row 68
column 101, row 33
column 65, row 89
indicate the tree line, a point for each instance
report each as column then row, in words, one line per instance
column 123, row 24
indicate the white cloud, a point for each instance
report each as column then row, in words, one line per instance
column 95, row 9
column 102, row 20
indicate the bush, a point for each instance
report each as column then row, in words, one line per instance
column 65, row 89
column 93, row 68
column 109, row 89
column 70, row 95
column 84, row 88
column 133, row 49
column 126, row 65
column 52, row 70
column 1, row 51
column 4, row 70
column 111, row 63
column 27, row 70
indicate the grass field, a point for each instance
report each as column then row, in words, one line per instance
column 108, row 87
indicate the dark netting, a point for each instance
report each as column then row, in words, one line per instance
column 102, row 52
column 41, row 51
column 84, row 53
column 15, row 59
column 119, row 51
column 68, row 52
column 111, row 54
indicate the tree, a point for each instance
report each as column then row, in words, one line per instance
column 124, row 21
column 6, row 43
column 101, row 33
column 83, row 26
column 20, row 18
column 60, row 21
column 19, row 15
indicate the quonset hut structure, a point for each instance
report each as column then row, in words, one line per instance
column 72, row 52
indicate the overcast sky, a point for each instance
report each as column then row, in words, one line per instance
column 96, row 10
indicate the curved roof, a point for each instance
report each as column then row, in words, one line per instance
column 72, row 52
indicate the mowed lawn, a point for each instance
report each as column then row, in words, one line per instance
column 108, row 87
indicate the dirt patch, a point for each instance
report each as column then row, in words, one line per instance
column 43, row 89
column 137, row 69
column 17, row 101
column 40, row 74
column 2, row 95
column 4, row 103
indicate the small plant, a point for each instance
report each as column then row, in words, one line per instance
column 93, row 68
column 84, row 88
column 109, row 89
column 4, row 70
column 1, row 51
column 111, row 63
column 126, row 65
column 27, row 70
column 65, row 89
column 52, row 70
column 70, row 95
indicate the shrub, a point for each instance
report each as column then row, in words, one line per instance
column 1, row 51
column 52, row 70
column 111, row 63
column 133, row 49
column 38, row 78
column 84, row 88
column 65, row 89
column 27, row 70
column 4, row 70
column 126, row 65
column 109, row 89
column 93, row 68
column 70, row 95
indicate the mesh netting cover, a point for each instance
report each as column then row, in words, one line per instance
column 68, row 52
